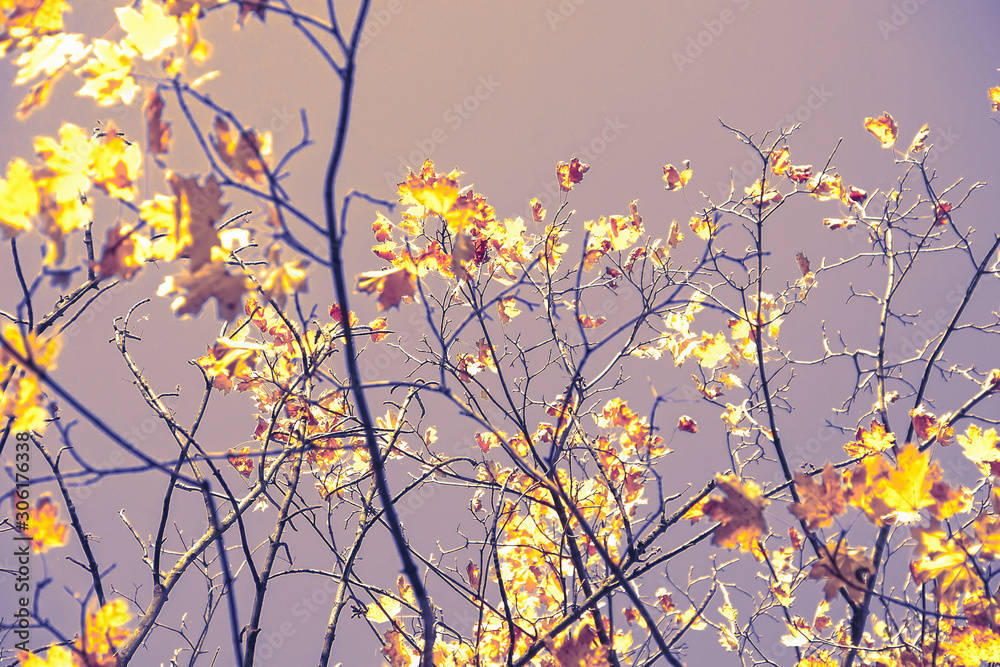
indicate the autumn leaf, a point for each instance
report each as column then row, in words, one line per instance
column 570, row 174
column 818, row 504
column 762, row 198
column 43, row 526
column 927, row 426
column 507, row 309
column 149, row 33
column 123, row 254
column 210, row 281
column 393, row 285
column 582, row 648
column 18, row 199
column 995, row 98
column 243, row 152
column 157, row 131
column 941, row 211
column 780, row 162
column 384, row 609
column 49, row 54
column 108, row 75
column 104, row 633
column 230, row 359
column 919, row 143
column 114, row 164
column 869, row 442
column 740, row 514
column 198, row 208
column 982, row 448
column 241, row 460
column 825, row 187
column 907, row 489
column 280, row 280
column 687, row 424
column 845, row 568
column 537, row 212
column 884, row 129
column 839, row 223
column 676, row 179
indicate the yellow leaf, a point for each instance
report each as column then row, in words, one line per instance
column 741, row 514
column 884, row 129
column 43, row 526
column 18, row 199
column 210, row 281
column 384, row 609
column 151, row 32
column 108, row 75
column 49, row 54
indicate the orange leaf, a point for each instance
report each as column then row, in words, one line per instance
column 43, row 526
column 241, row 461
column 869, row 442
column 740, row 514
column 919, row 143
column 884, row 129
column 819, row 504
column 210, row 281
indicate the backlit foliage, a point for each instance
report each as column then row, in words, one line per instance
column 497, row 330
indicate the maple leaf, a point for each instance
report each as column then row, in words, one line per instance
column 123, row 253
column 740, row 514
column 108, row 75
column 843, row 567
column 944, row 558
column 870, row 442
column 818, row 504
column 676, row 179
column 884, row 129
column 43, row 526
column 230, row 359
column 397, row 651
column 198, row 208
column 972, row 647
column 384, row 609
column 104, row 633
column 378, row 326
column 149, row 33
column 210, row 281
column 800, row 173
column 907, row 489
column 49, row 54
column 435, row 192
column 570, row 174
column 57, row 657
column 66, row 163
column 114, row 164
column 240, row 459
column 18, row 199
column 393, row 285
column 243, row 152
column 581, row 648
column 982, row 448
column 995, row 98
column 687, row 424
column 157, row 131
column 280, row 280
